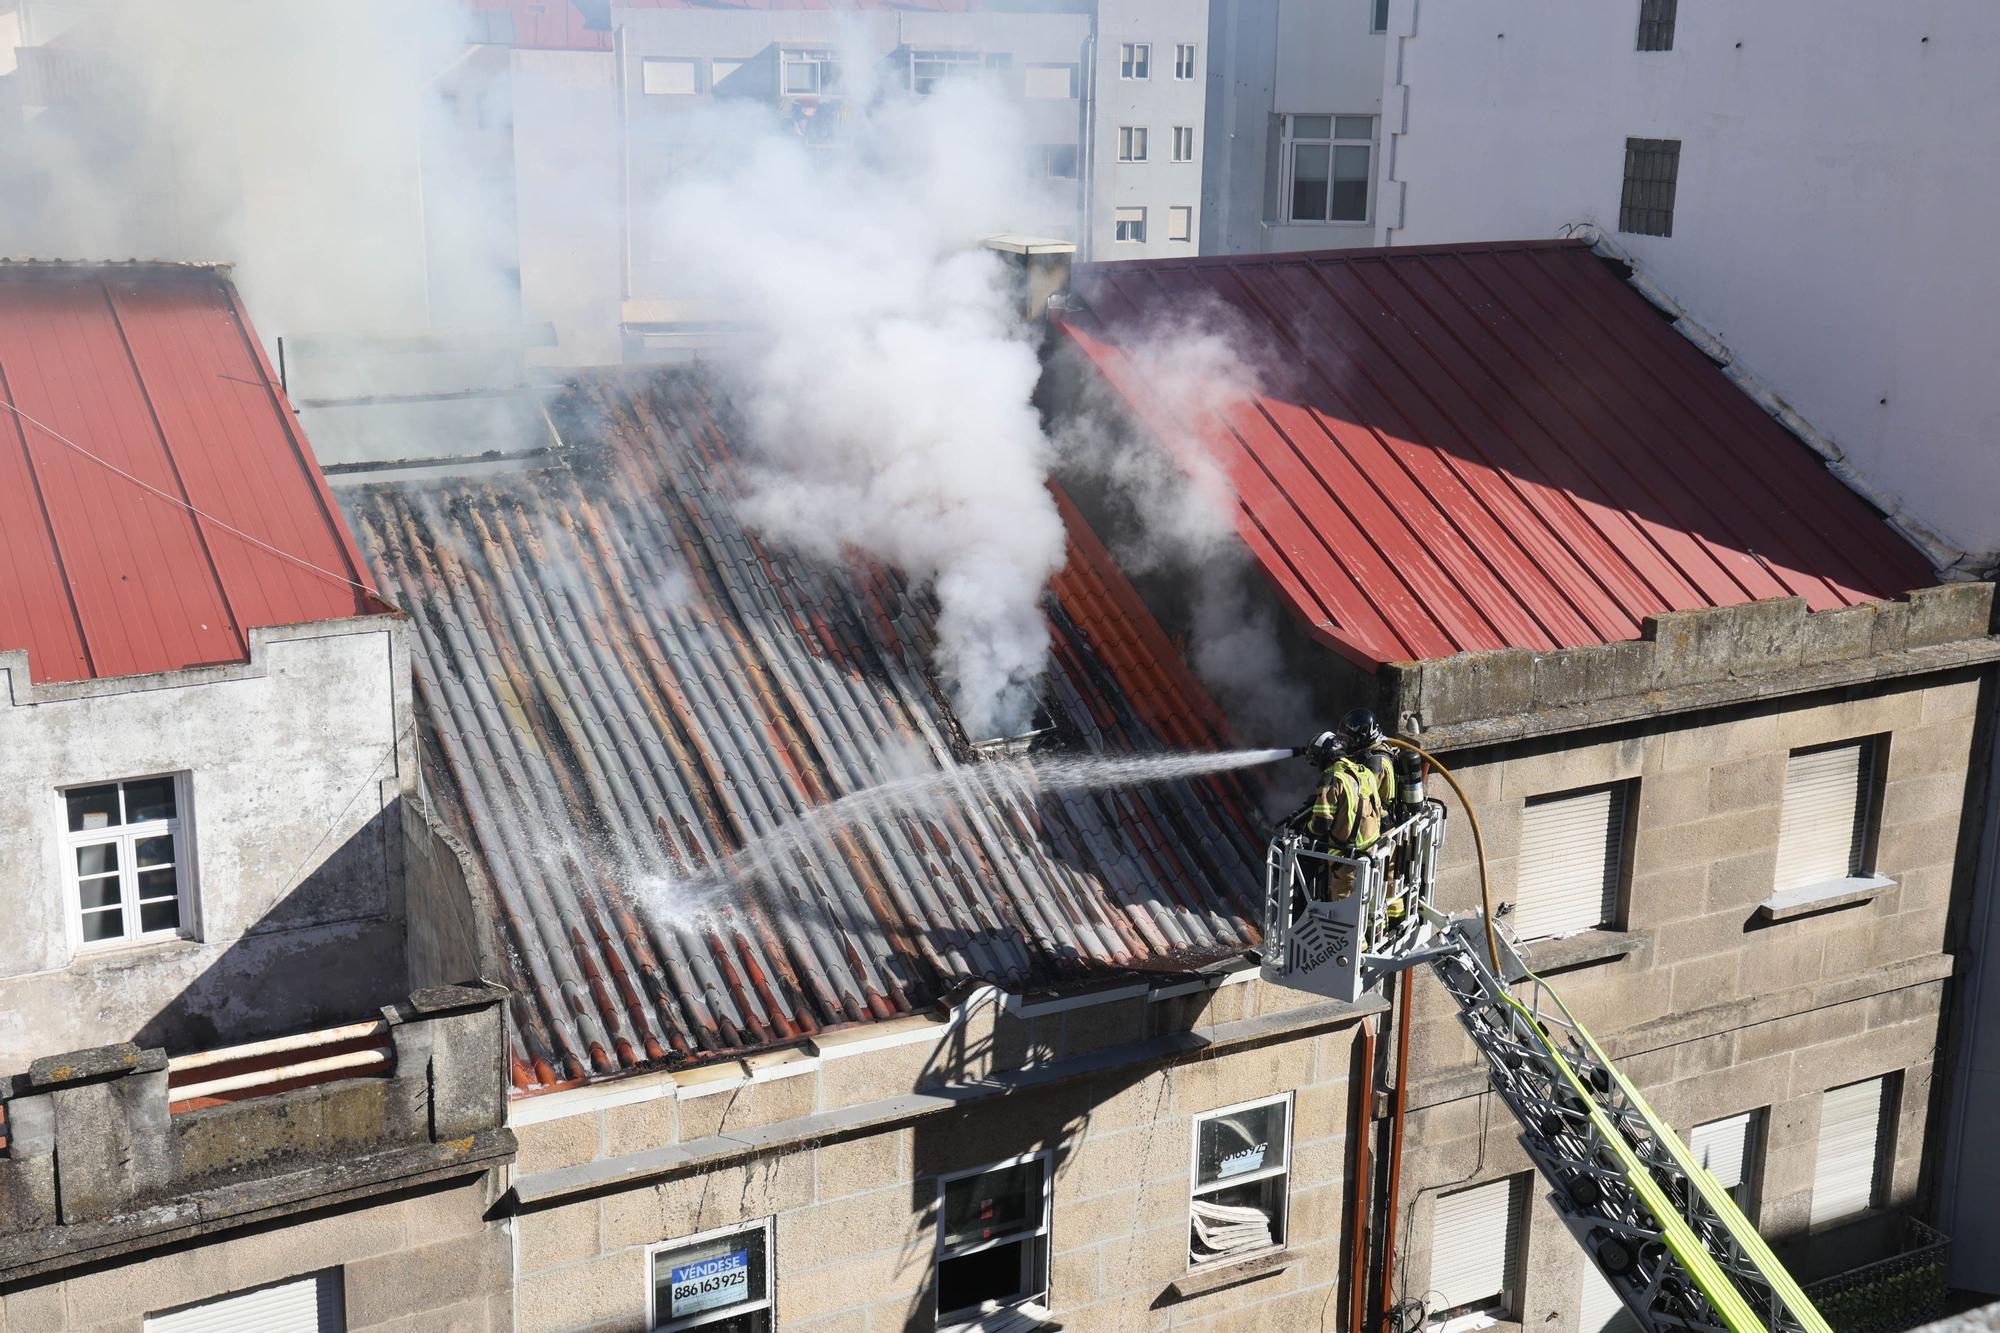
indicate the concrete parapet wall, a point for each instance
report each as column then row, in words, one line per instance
column 97, row 1164
column 1770, row 648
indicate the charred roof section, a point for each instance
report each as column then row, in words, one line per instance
column 624, row 688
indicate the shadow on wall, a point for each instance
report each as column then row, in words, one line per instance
column 330, row 951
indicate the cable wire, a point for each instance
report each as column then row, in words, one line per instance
column 171, row 498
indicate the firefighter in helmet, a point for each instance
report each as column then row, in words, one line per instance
column 1356, row 791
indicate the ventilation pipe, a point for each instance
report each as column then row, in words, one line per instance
column 1041, row 267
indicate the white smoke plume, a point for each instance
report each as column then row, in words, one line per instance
column 1197, row 364
column 889, row 380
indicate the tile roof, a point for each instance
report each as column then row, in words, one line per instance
column 614, row 671
column 1499, row 445
column 156, row 371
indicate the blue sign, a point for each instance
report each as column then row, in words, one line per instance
column 709, row 1284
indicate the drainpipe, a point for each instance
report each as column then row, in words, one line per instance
column 1364, row 1119
column 1087, row 88
column 1393, row 1194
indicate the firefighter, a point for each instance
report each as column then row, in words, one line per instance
column 1346, row 814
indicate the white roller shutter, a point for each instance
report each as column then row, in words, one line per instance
column 1475, row 1247
column 1571, row 848
column 1822, row 833
column 1599, row 1310
column 311, row 1304
column 1724, row 1147
column 1850, row 1136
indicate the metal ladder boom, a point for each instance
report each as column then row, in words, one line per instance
column 1659, row 1227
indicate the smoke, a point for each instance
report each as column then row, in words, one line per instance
column 888, row 387
column 1197, row 362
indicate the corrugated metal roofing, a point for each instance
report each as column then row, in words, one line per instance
column 614, row 671
column 155, row 370
column 559, row 25
column 1498, row 445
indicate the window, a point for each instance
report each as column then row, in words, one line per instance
column 1329, row 167
column 315, row 1303
column 1823, row 830
column 809, row 73
column 721, row 71
column 993, row 1240
column 1726, row 1148
column 1183, row 143
column 1135, row 60
column 928, row 69
column 1850, row 1150
column 1572, row 860
column 1656, row 24
column 1242, row 1156
column 1180, row 223
column 719, row 1280
column 1049, row 81
column 1129, row 224
column 1651, row 168
column 1475, row 1247
column 1054, row 160
column 1184, row 60
column 127, row 859
column 1378, row 18
column 668, row 77
column 1131, row 143
column 1600, row 1310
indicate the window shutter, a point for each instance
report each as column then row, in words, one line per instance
column 304, row 1305
column 1599, row 1310
column 1723, row 1146
column 1850, row 1130
column 1571, row 847
column 1474, row 1246
column 1820, row 835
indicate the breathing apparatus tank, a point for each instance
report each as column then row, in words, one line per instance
column 1409, row 780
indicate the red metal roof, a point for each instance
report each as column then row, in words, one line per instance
column 156, row 371
column 1488, row 446
column 558, row 25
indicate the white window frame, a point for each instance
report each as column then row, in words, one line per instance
column 1041, row 163
column 824, row 63
column 1514, row 1234
column 1283, row 1222
column 1118, row 225
column 768, row 1301
column 1183, row 143
column 936, row 66
column 971, row 1318
column 1184, row 213
column 1753, row 1145
column 1133, row 143
column 1184, row 61
column 1613, row 885
column 1333, row 142
column 1135, row 60
column 692, row 64
column 725, row 67
column 1887, row 1089
column 126, row 836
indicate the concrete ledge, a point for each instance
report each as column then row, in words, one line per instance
column 1787, row 904
column 715, row 1151
column 1403, row 693
column 199, row 1213
column 1216, row 1276
column 1592, row 946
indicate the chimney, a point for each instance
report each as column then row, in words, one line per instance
column 1041, row 267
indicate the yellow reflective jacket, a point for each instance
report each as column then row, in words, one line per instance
column 1348, row 809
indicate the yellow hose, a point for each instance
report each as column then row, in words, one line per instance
column 1478, row 846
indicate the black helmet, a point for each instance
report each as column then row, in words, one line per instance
column 1358, row 730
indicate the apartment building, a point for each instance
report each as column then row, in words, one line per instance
column 1733, row 804
column 225, row 1103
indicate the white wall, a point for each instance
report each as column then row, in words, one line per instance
column 297, row 760
column 1306, row 57
column 1839, row 180
column 1159, row 103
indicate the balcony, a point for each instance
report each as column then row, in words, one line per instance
column 1898, row 1292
